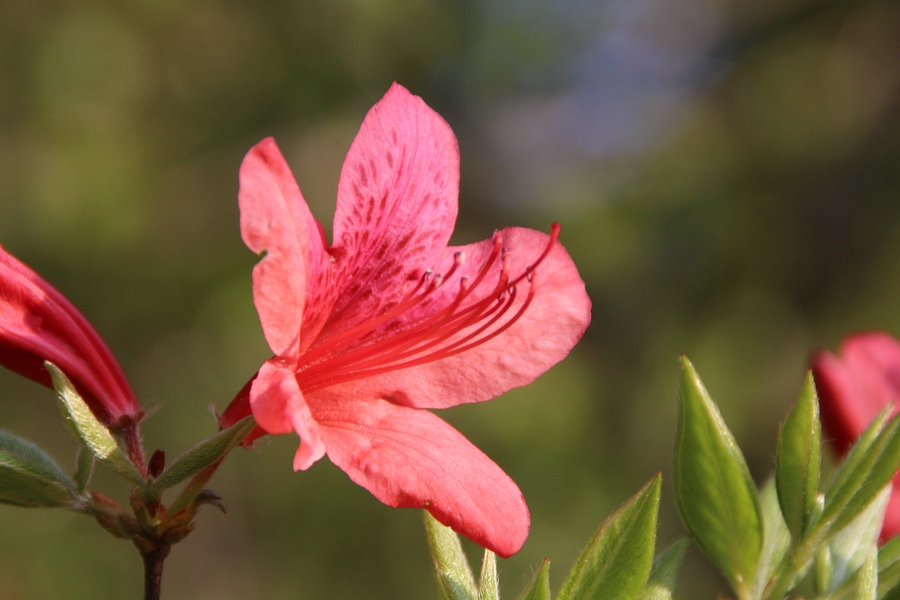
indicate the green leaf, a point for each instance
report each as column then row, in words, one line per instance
column 713, row 488
column 89, row 430
column 489, row 584
column 776, row 538
column 30, row 478
column 868, row 467
column 889, row 563
column 661, row 583
column 203, row 455
column 539, row 587
column 851, row 546
column 616, row 563
column 455, row 579
column 798, row 460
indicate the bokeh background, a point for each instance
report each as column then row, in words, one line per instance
column 727, row 175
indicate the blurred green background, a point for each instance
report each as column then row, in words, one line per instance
column 727, row 176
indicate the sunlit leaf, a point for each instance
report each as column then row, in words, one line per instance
column 30, row 478
column 203, row 454
column 715, row 493
column 616, row 563
column 89, row 430
column 798, row 460
column 539, row 586
column 455, row 579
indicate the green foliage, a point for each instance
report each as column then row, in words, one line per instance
column 798, row 460
column 203, row 455
column 30, row 478
column 455, row 579
column 715, row 493
column 661, row 583
column 776, row 538
column 88, row 430
column 539, row 586
column 832, row 536
column 869, row 466
column 489, row 583
column 617, row 560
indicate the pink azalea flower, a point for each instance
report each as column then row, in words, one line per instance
column 39, row 324
column 853, row 388
column 389, row 321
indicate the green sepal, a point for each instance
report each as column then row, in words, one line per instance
column 616, row 562
column 203, row 455
column 30, row 478
column 489, row 583
column 798, row 460
column 776, row 538
column 868, row 467
column 716, row 496
column 88, row 430
column 539, row 586
column 661, row 582
column 455, row 579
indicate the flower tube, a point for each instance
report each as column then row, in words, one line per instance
column 39, row 324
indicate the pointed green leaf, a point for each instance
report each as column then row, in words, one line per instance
column 30, row 478
column 661, row 583
column 851, row 546
column 539, row 587
column 798, row 460
column 203, row 455
column 776, row 538
column 89, row 430
column 715, row 493
column 616, row 563
column 455, row 579
column 489, row 584
column 869, row 466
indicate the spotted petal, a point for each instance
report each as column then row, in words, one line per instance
column 396, row 207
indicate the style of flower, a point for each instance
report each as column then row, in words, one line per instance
column 855, row 386
column 389, row 320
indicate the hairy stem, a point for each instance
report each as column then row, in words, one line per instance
column 153, row 569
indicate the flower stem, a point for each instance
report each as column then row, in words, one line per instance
column 153, row 568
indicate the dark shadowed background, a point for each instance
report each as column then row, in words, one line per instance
column 727, row 176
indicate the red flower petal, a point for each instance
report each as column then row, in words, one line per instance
column 279, row 407
column 410, row 458
column 290, row 281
